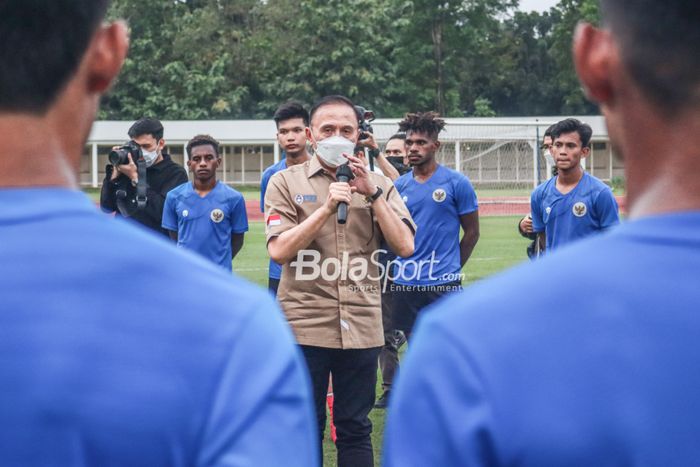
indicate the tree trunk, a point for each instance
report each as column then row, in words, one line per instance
column 439, row 71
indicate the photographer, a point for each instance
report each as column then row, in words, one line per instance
column 119, row 188
column 366, row 140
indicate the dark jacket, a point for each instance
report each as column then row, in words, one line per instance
column 161, row 178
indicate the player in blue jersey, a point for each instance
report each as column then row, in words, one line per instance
column 573, row 204
column 116, row 348
column 598, row 367
column 291, row 120
column 440, row 201
column 205, row 215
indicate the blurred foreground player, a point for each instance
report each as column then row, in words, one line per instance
column 115, row 347
column 600, row 369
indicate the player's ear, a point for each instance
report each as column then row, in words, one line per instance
column 310, row 136
column 594, row 55
column 437, row 144
column 585, row 151
column 106, row 55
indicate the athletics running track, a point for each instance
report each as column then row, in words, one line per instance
column 497, row 206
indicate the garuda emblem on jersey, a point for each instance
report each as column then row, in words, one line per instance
column 579, row 209
column 217, row 215
column 439, row 195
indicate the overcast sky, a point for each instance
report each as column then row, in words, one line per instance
column 537, row 5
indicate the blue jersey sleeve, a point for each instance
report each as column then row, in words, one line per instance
column 239, row 215
column 465, row 196
column 439, row 414
column 536, row 210
column 263, row 187
column 262, row 412
column 606, row 209
column 169, row 221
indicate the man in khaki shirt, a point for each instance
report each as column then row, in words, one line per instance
column 330, row 288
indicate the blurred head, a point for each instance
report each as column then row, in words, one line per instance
column 203, row 157
column 50, row 38
column 422, row 131
column 292, row 119
column 643, row 64
column 57, row 59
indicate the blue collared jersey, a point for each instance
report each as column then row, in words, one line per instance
column 435, row 207
column 274, row 269
column 599, row 369
column 205, row 224
column 116, row 348
column 589, row 208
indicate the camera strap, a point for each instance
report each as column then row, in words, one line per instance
column 141, row 185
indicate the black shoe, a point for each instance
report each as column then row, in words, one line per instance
column 399, row 339
column 383, row 401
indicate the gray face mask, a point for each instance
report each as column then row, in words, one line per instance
column 331, row 150
column 149, row 157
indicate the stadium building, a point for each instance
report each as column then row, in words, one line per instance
column 495, row 153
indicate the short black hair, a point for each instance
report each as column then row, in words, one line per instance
column 334, row 99
column 659, row 46
column 202, row 140
column 41, row 46
column 423, row 122
column 548, row 131
column 571, row 125
column 146, row 126
column 401, row 136
column 291, row 110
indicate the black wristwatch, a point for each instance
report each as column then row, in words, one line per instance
column 375, row 196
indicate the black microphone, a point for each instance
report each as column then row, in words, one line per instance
column 343, row 174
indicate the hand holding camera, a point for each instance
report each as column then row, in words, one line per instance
column 122, row 159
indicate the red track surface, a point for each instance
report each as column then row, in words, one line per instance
column 501, row 206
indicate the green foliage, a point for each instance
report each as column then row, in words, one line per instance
column 482, row 108
column 214, row 59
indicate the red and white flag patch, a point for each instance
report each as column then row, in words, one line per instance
column 274, row 219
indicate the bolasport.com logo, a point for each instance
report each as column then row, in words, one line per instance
column 308, row 266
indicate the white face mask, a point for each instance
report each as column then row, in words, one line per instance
column 331, row 150
column 549, row 158
column 149, row 157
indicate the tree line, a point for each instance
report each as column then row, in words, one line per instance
column 231, row 59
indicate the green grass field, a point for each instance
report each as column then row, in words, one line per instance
column 499, row 247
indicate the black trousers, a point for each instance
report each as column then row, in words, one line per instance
column 389, row 355
column 409, row 300
column 354, row 376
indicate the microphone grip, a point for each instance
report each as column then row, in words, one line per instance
column 342, row 207
column 342, row 212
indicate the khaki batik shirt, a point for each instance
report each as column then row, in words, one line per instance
column 330, row 292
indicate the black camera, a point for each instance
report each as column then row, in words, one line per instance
column 365, row 117
column 120, row 156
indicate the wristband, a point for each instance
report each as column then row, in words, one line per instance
column 375, row 196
